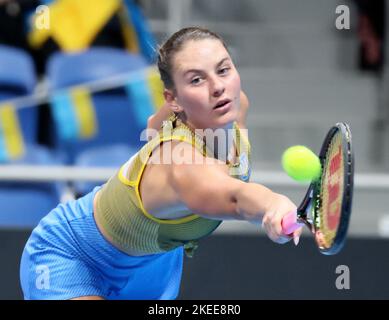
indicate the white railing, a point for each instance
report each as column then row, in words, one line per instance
column 44, row 95
column 366, row 181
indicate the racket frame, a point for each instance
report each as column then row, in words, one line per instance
column 308, row 213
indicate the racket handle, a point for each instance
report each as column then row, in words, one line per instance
column 289, row 223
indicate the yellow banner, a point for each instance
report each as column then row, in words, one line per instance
column 74, row 24
column 85, row 112
column 12, row 135
column 156, row 88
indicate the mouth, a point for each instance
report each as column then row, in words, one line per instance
column 222, row 103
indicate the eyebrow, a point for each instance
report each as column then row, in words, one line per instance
column 199, row 70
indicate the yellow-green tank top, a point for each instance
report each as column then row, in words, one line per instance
column 132, row 229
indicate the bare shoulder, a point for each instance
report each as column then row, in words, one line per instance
column 170, row 161
column 189, row 161
column 181, row 160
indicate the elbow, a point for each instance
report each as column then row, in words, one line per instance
column 244, row 101
column 210, row 207
column 151, row 131
column 150, row 122
column 213, row 203
column 208, row 192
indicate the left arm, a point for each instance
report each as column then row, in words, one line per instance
column 155, row 120
column 244, row 107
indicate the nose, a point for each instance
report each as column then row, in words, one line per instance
column 217, row 87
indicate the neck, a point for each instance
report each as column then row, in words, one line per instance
column 223, row 143
column 219, row 140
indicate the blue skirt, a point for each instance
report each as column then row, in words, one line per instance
column 66, row 257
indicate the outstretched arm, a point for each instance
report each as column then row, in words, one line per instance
column 207, row 189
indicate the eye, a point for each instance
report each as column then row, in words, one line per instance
column 195, row 80
column 224, row 70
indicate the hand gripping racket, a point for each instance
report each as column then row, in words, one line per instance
column 326, row 207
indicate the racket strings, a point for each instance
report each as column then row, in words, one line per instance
column 329, row 202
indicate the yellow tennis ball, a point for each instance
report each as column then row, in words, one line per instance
column 301, row 164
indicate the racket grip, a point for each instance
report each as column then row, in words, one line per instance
column 289, row 223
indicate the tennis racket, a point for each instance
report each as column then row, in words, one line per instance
column 326, row 208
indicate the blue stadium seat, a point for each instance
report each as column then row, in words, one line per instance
column 16, row 68
column 96, row 63
column 23, row 204
column 118, row 135
column 117, row 154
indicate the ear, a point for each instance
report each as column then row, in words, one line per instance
column 171, row 100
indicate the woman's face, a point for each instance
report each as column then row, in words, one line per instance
column 207, row 85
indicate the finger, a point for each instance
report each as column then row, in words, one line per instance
column 270, row 222
column 277, row 224
column 298, row 232
column 266, row 221
column 282, row 239
column 274, row 236
column 267, row 226
column 296, row 235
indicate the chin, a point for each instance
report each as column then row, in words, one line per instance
column 225, row 119
column 228, row 117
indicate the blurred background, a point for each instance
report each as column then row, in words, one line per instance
column 77, row 85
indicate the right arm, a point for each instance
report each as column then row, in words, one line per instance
column 207, row 190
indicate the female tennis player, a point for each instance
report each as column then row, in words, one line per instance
column 126, row 239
